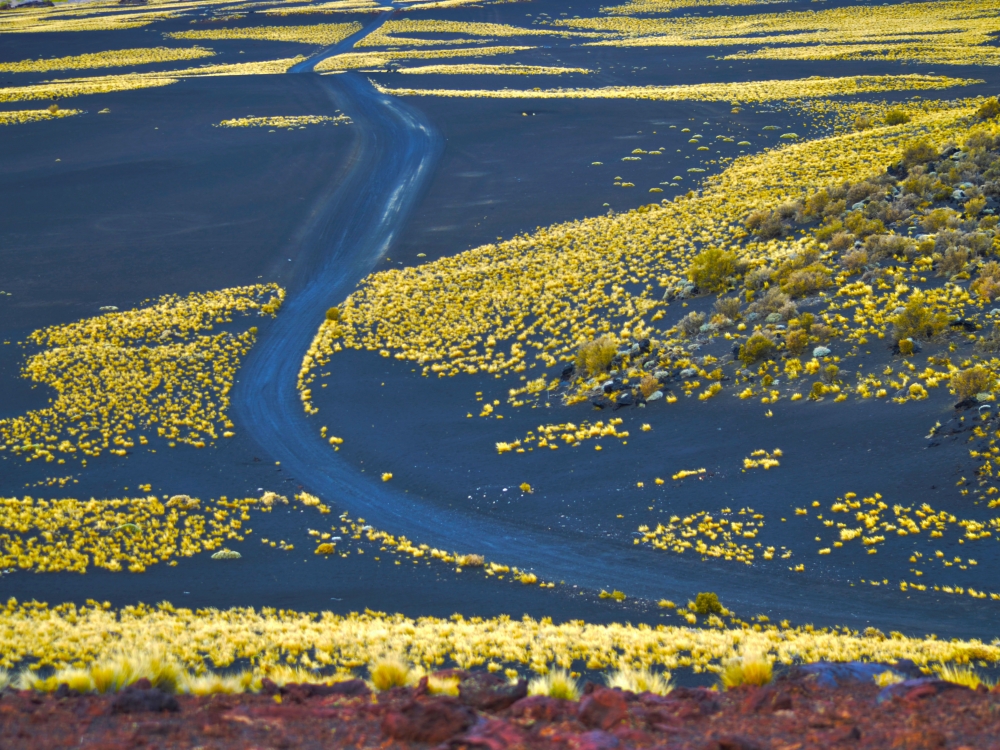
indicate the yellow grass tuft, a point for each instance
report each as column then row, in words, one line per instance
column 639, row 681
column 390, row 671
column 963, row 675
column 749, row 669
column 558, row 683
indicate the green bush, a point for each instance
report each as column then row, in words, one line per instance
column 806, row 280
column 989, row 110
column 756, row 348
column 919, row 152
column 917, row 320
column 711, row 269
column 707, row 603
column 896, row 117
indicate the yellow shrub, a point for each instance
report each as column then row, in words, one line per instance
column 711, row 269
column 595, row 356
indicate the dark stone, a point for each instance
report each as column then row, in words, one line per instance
column 735, row 742
column 966, row 403
column 600, row 402
column 833, row 675
column 644, row 345
column 596, row 740
column 567, row 371
column 493, row 734
column 706, row 700
column 348, row 688
column 62, row 691
column 602, row 709
column 768, row 699
column 950, row 151
column 965, row 324
column 912, row 690
column 268, row 687
column 624, row 399
column 137, row 700
column 489, row 692
column 435, row 720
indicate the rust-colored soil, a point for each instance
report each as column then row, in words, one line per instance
column 792, row 714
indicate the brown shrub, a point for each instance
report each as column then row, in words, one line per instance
column 648, row 386
column 796, row 341
column 728, row 306
column 691, row 323
column 969, row 382
column 854, row 261
column 987, row 285
column 953, row 262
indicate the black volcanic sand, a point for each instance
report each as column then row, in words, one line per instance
column 151, row 199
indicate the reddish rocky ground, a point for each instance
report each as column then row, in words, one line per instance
column 797, row 712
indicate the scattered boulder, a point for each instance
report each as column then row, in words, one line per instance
column 489, row 692
column 434, row 720
column 135, row 699
column 602, row 709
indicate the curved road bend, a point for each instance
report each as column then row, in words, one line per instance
column 397, row 153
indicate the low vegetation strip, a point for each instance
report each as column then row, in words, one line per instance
column 35, row 115
column 111, row 59
column 754, row 91
column 323, row 34
column 40, row 636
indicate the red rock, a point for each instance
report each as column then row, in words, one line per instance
column 602, row 709
column 428, row 721
column 542, row 708
column 488, row 692
column 493, row 734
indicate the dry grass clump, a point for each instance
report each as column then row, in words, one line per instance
column 967, row 383
column 113, row 673
column 648, row 386
column 639, row 681
column 712, row 269
column 595, row 356
column 963, row 675
column 749, row 669
column 471, row 561
column 556, row 683
column 391, row 670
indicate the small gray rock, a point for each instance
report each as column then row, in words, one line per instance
column 821, row 351
column 688, row 372
column 655, row 396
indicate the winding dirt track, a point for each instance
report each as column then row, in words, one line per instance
column 391, row 166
